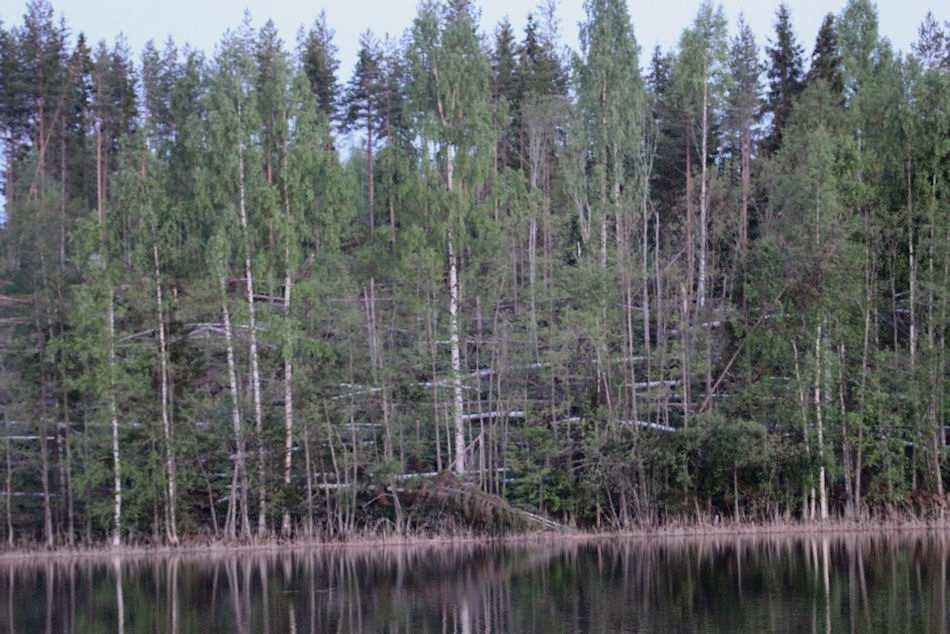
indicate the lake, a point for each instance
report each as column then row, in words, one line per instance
column 869, row 582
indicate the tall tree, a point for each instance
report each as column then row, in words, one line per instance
column 364, row 107
column 784, row 75
column 826, row 59
column 318, row 54
column 744, row 106
column 702, row 73
column 452, row 96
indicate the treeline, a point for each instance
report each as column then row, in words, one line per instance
column 613, row 289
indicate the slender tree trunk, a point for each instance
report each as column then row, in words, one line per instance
column 240, row 468
column 684, row 362
column 690, row 240
column 822, row 491
column 935, row 384
column 110, row 338
column 746, row 188
column 44, row 455
column 703, row 211
column 457, row 401
column 255, row 370
column 803, row 406
column 289, row 349
column 309, row 480
column 170, row 462
column 288, row 395
column 370, row 177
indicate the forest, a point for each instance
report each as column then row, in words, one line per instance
column 483, row 283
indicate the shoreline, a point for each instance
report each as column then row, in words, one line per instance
column 685, row 531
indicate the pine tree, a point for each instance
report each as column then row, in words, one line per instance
column 933, row 43
column 784, row 75
column 744, row 106
column 364, row 106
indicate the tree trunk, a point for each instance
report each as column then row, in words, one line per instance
column 703, row 212
column 289, row 350
column 288, row 396
column 240, row 468
column 457, row 402
column 746, row 187
column 690, row 240
column 803, row 406
column 255, row 371
column 822, row 491
column 110, row 338
column 371, row 184
column 170, row 463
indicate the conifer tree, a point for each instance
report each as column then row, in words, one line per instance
column 826, row 59
column 318, row 55
column 744, row 106
column 784, row 75
column 364, row 107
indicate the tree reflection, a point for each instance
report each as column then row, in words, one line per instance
column 832, row 583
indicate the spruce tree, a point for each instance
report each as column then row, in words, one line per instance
column 826, row 58
column 318, row 55
column 785, row 78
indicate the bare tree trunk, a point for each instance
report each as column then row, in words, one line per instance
column 684, row 363
column 532, row 280
column 308, row 466
column 703, row 212
column 936, row 424
column 803, row 406
column 746, row 187
column 110, row 337
column 457, row 402
column 846, row 448
column 371, row 184
column 44, row 464
column 285, row 527
column 288, row 393
column 690, row 240
column 170, row 463
column 255, row 371
column 240, row 464
column 822, row 492
column 114, row 414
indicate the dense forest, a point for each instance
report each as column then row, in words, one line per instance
column 484, row 278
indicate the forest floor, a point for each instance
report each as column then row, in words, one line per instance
column 199, row 547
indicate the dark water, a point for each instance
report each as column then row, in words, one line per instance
column 846, row 583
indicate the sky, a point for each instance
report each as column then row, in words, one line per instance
column 201, row 22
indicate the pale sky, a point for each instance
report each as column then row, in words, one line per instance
column 201, row 22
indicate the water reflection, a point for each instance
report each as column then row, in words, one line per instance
column 831, row 583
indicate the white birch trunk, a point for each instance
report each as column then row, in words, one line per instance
column 252, row 323
column 701, row 290
column 241, row 463
column 457, row 403
column 170, row 463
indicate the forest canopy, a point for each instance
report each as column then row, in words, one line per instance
column 605, row 288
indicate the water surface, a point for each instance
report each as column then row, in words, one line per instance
column 834, row 583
